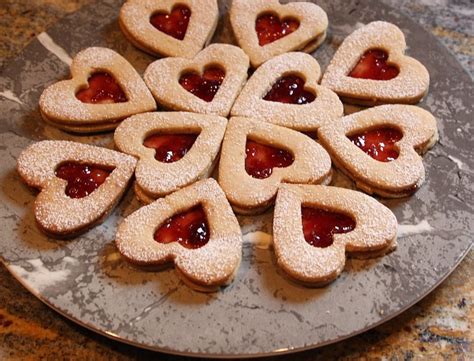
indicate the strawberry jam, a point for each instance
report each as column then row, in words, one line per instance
column 320, row 225
column 261, row 159
column 82, row 179
column 205, row 86
column 373, row 65
column 378, row 143
column 103, row 89
column 173, row 24
column 269, row 28
column 170, row 148
column 190, row 229
column 290, row 89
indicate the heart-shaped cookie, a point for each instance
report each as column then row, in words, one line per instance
column 285, row 91
column 378, row 147
column 314, row 226
column 80, row 184
column 257, row 157
column 169, row 27
column 104, row 89
column 207, row 84
column 370, row 67
column 174, row 149
column 266, row 28
column 194, row 228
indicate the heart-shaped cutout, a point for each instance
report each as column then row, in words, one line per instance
column 174, row 149
column 189, row 228
column 79, row 184
column 83, row 179
column 170, row 148
column 290, row 89
column 173, row 24
column 260, row 159
column 206, row 86
column 96, row 100
column 285, row 91
column 169, row 27
column 378, row 143
column 304, row 161
column 103, row 89
column 370, row 68
column 373, row 65
column 177, row 83
column 320, row 225
column 194, row 227
column 314, row 226
column 269, row 28
column 266, row 28
column 379, row 132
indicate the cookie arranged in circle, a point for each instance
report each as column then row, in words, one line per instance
column 370, row 68
column 379, row 147
column 169, row 27
column 79, row 184
column 194, row 228
column 266, row 28
column 174, row 149
column 257, row 157
column 104, row 89
column 285, row 91
column 315, row 226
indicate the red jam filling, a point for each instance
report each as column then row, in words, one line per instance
column 190, row 229
column 269, row 28
column 378, row 143
column 170, row 148
column 82, row 179
column 320, row 225
column 103, row 89
column 173, row 24
column 373, row 65
column 205, row 86
column 261, row 159
column 290, row 89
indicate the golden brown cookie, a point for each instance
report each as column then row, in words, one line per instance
column 194, row 228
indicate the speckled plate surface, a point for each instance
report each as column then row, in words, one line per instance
column 261, row 313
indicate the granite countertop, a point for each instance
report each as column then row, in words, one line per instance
column 438, row 327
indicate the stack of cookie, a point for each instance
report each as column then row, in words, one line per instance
column 274, row 137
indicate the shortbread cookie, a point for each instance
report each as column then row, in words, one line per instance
column 194, row 228
column 378, row 147
column 257, row 157
column 370, row 68
column 79, row 184
column 169, row 27
column 314, row 226
column 174, row 149
column 207, row 84
column 266, row 28
column 285, row 91
column 104, row 89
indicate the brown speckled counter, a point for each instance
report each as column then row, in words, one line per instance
column 439, row 327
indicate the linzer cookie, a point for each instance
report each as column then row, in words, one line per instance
column 194, row 228
column 169, row 27
column 207, row 84
column 378, row 147
column 266, row 28
column 79, row 184
column 285, row 91
column 370, row 68
column 314, row 226
column 104, row 89
column 174, row 149
column 257, row 157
